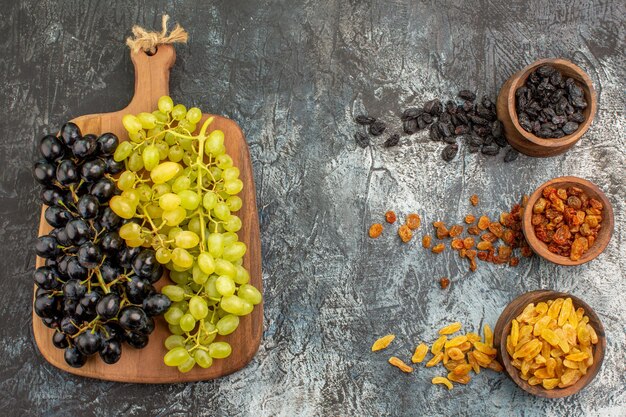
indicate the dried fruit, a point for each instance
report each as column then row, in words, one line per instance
column 444, row 282
column 450, row 328
column 413, row 221
column 377, row 128
column 449, row 152
column 469, row 219
column 400, row 365
column 469, row 242
column 393, row 140
column 442, row 380
column 438, row 248
column 420, row 353
column 405, row 233
column 457, row 244
column 474, row 200
column 483, row 222
column 375, row 230
column 390, row 216
column 383, row 342
column 365, row 120
column 426, row 241
column 435, row 360
column 455, row 230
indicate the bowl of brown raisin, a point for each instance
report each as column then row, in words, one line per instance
column 546, row 107
column 568, row 221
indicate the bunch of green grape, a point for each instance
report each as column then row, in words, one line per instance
column 179, row 192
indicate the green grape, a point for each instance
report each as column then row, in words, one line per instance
column 234, row 203
column 209, row 333
column 156, row 133
column 187, row 365
column 165, row 104
column 170, row 139
column 219, row 350
column 160, row 189
column 224, row 267
column 216, row 228
column 227, row 324
column 181, row 305
column 150, row 157
column 230, row 174
column 202, row 358
column 233, row 224
column 179, row 277
column 242, row 276
column 131, row 123
column 147, row 120
column 137, row 137
column 173, row 292
column 173, row 341
column 187, row 322
column 179, row 112
column 162, row 117
column 182, row 258
column 163, row 256
column 216, row 173
column 230, row 238
column 134, row 243
column 145, row 192
column 209, row 201
column 190, row 200
column 238, row 262
column 221, row 211
column 186, row 144
column 233, row 187
column 174, row 217
column 206, row 263
column 236, row 305
column 187, row 126
column 214, row 142
column 122, row 207
column 250, row 294
column 169, row 201
column 216, row 244
column 234, row 251
column 225, row 285
column 210, row 289
column 123, row 151
column 126, row 181
column 164, row 150
column 130, row 231
column 135, row 162
column 194, row 225
column 164, row 172
column 175, row 329
column 187, row 240
column 198, row 307
column 154, row 211
column 224, row 161
column 174, row 231
column 199, row 277
column 176, row 153
column 173, row 315
column 194, row 115
column 181, row 183
column 176, row 356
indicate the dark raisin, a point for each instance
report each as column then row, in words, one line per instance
column 492, row 149
column 559, row 120
column 511, row 155
column 434, row 133
column 467, row 95
column 570, row 127
column 449, row 152
column 577, row 117
column 556, row 78
column 558, row 134
column 488, row 140
column 393, row 140
column 524, row 122
column 433, row 107
column 481, row 130
column 365, row 120
column 579, row 102
column 544, row 133
column 486, row 101
column 445, row 118
column 500, row 141
column 410, row 126
column 496, row 129
column 377, row 128
column 411, row 113
column 479, row 120
column 468, row 106
column 362, row 139
column 449, row 139
column 462, row 118
column 548, row 126
column 461, row 129
column 445, row 129
column 428, row 119
column 545, row 70
column 475, row 140
column 421, row 124
column 450, row 106
column 473, row 149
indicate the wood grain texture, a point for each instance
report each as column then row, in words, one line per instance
column 526, row 142
column 146, row 365
column 503, row 329
column 604, row 235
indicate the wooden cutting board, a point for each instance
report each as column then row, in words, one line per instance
column 146, row 365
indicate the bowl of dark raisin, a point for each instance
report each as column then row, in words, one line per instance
column 568, row 221
column 546, row 107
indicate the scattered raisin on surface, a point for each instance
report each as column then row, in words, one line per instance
column 444, row 282
column 393, row 140
column 375, row 230
column 469, row 219
column 362, row 139
column 456, row 244
column 467, row 95
column 426, row 241
column 511, row 155
column 474, row 200
column 377, row 128
column 413, row 221
column 405, row 233
column 473, row 230
column 455, row 230
column 365, row 120
column 390, row 216
column 438, row 248
column 483, row 222
column 449, row 152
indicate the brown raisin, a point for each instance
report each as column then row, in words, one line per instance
column 504, row 252
column 438, row 248
column 484, row 245
column 413, row 221
column 455, row 230
column 444, row 282
column 468, row 242
column 473, row 266
column 514, row 261
column 483, row 222
column 595, row 204
column 426, row 241
column 390, row 216
column 469, row 219
column 483, row 256
column 474, row 200
column 442, row 232
column 375, row 230
column 473, row 230
column 457, row 244
column 405, row 233
column 496, row 229
column 489, row 237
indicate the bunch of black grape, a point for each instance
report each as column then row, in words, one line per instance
column 94, row 290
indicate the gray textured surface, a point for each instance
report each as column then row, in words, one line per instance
column 293, row 74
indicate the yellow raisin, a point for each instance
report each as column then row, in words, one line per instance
column 420, row 353
column 483, row 222
column 488, row 334
column 550, row 383
column 442, row 380
column 450, row 328
column 514, row 333
column 464, row 379
column 550, row 337
column 494, row 365
column 400, row 365
column 555, row 308
column 577, row 357
column 455, row 353
column 405, row 233
column 383, row 342
column 484, row 348
column 469, row 219
column 482, row 359
column 456, row 341
column 565, row 311
column 435, row 360
column 472, row 361
column 474, row 200
column 569, row 378
column 413, row 221
column 375, row 230
column 462, row 369
column 438, row 248
column 438, row 345
column 524, row 350
column 426, row 241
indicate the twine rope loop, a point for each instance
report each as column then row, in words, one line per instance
column 148, row 41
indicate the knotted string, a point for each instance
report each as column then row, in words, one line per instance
column 148, row 41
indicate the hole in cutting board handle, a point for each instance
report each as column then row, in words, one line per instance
column 149, row 53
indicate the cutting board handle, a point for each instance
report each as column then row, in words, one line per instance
column 152, row 78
